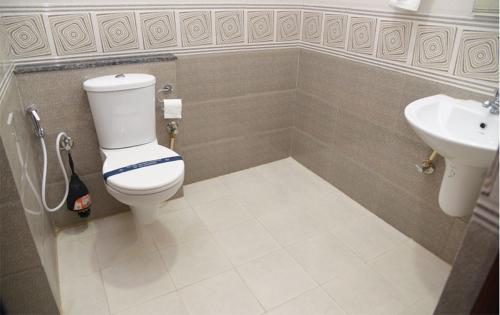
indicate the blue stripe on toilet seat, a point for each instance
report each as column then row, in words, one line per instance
column 140, row 165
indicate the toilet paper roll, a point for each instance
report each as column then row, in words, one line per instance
column 172, row 108
column 411, row 5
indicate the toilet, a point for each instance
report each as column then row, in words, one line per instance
column 137, row 170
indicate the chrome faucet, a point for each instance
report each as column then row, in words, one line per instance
column 493, row 104
column 32, row 111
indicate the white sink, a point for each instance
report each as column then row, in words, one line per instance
column 466, row 135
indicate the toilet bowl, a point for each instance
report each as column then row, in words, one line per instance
column 142, row 188
column 137, row 170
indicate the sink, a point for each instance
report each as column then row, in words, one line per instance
column 466, row 135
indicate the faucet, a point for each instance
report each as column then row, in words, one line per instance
column 492, row 104
column 32, row 111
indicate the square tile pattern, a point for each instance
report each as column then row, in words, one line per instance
column 252, row 242
column 469, row 54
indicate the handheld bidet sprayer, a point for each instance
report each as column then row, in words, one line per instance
column 76, row 193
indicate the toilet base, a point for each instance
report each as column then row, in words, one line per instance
column 145, row 207
column 145, row 214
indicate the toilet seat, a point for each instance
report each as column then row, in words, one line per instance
column 146, row 180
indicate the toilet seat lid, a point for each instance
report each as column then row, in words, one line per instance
column 148, row 179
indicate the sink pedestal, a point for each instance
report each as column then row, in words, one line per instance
column 460, row 188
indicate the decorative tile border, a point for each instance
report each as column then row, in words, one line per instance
column 72, row 34
column 394, row 40
column 260, row 26
column 288, row 26
column 158, row 29
column 433, row 47
column 196, row 28
column 478, row 56
column 362, row 35
column 463, row 52
column 335, row 30
column 118, row 31
column 229, row 27
column 27, row 36
column 311, row 27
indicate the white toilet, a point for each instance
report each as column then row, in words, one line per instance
column 137, row 170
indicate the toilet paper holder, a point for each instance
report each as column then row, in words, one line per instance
column 167, row 89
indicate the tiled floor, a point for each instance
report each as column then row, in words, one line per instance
column 275, row 239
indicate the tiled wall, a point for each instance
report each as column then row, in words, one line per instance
column 29, row 280
column 236, row 114
column 246, row 108
column 458, row 50
column 351, row 130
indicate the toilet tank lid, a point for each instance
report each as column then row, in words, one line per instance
column 119, row 82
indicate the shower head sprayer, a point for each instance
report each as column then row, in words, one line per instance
column 35, row 118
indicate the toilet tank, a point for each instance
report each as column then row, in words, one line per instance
column 123, row 108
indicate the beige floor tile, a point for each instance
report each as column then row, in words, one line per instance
column 173, row 205
column 178, row 227
column 275, row 278
column 290, row 226
column 246, row 241
column 115, row 224
column 224, row 294
column 324, row 257
column 194, row 261
column 222, row 213
column 136, row 281
column 248, row 181
column 205, row 191
column 423, row 306
column 76, row 232
column 169, row 304
column 84, row 295
column 369, row 237
column 77, row 258
column 332, row 210
column 314, row 302
column 264, row 202
column 366, row 292
column 125, row 246
column 415, row 269
column 364, row 264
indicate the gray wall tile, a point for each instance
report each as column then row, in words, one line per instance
column 28, row 292
column 235, row 104
column 370, row 149
column 18, row 249
column 28, row 239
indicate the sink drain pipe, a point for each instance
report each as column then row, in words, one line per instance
column 427, row 165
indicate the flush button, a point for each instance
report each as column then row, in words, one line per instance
column 482, row 125
column 121, row 75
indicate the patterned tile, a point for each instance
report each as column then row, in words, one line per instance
column 196, row 28
column 158, row 29
column 362, row 35
column 72, row 34
column 433, row 47
column 335, row 30
column 394, row 40
column 26, row 35
column 118, row 31
column 229, row 27
column 260, row 26
column 478, row 56
column 288, row 26
column 311, row 27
